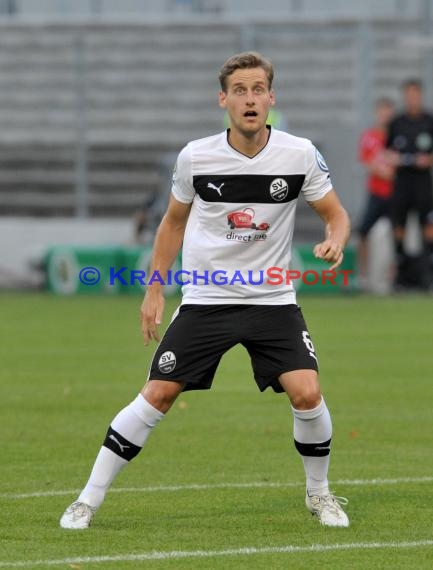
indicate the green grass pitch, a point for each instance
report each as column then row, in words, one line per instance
column 69, row 364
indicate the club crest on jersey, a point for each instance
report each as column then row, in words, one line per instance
column 167, row 362
column 278, row 189
column 423, row 142
column 321, row 162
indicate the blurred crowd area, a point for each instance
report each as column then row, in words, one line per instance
column 97, row 99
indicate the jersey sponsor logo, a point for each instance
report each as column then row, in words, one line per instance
column 167, row 362
column 321, row 163
column 244, row 220
column 279, row 189
column 217, row 188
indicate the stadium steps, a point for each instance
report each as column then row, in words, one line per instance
column 150, row 88
column 42, row 182
column 128, row 71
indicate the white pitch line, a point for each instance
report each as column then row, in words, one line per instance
column 205, row 487
column 246, row 551
column 158, row 488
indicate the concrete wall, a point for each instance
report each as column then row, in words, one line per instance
column 23, row 242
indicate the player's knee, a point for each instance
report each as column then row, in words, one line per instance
column 307, row 398
column 161, row 394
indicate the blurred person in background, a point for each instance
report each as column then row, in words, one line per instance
column 380, row 173
column 410, row 138
column 144, row 224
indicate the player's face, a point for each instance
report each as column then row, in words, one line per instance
column 384, row 114
column 413, row 98
column 247, row 100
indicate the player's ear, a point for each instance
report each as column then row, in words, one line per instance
column 222, row 99
column 272, row 97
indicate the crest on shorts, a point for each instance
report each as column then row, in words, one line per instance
column 167, row 362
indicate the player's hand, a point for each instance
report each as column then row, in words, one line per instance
column 329, row 251
column 392, row 157
column 423, row 160
column 152, row 310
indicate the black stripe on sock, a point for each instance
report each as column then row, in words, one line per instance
column 120, row 446
column 314, row 449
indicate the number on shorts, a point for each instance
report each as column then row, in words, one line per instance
column 309, row 343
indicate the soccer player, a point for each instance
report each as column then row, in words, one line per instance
column 380, row 171
column 255, row 168
column 410, row 137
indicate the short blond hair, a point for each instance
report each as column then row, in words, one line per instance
column 245, row 60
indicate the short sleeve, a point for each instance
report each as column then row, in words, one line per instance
column 317, row 178
column 182, row 185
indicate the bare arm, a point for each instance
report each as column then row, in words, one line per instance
column 167, row 244
column 337, row 228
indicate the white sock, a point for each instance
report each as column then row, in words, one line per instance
column 126, row 436
column 312, row 431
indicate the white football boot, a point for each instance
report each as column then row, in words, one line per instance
column 328, row 509
column 77, row 516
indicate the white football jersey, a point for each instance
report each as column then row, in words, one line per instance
column 243, row 215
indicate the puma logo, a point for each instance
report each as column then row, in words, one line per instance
column 122, row 447
column 217, row 188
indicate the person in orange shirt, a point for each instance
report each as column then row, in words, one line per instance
column 375, row 158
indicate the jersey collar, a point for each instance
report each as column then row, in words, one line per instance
column 245, row 156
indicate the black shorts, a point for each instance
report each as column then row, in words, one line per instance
column 412, row 193
column 275, row 336
column 376, row 208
